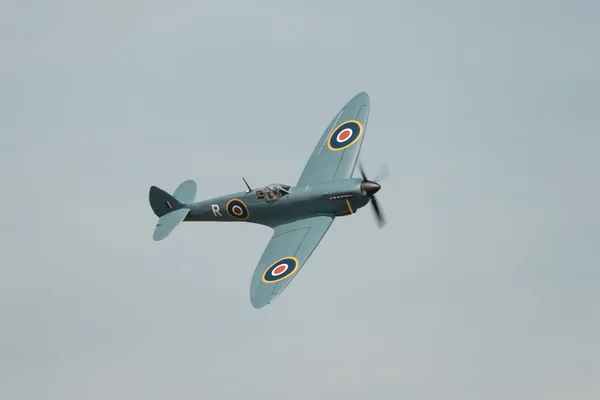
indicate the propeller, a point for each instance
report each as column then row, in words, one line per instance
column 383, row 173
column 370, row 188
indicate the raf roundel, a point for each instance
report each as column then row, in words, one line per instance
column 280, row 270
column 237, row 209
column 345, row 135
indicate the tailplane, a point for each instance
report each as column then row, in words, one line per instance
column 171, row 210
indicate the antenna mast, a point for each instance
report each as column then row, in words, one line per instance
column 249, row 189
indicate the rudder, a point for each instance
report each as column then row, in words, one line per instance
column 162, row 202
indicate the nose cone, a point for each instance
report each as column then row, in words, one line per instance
column 369, row 188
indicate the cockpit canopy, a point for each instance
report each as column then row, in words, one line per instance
column 274, row 191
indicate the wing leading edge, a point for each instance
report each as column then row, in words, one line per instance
column 286, row 253
column 337, row 151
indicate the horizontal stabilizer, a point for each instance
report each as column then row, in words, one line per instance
column 168, row 222
column 186, row 192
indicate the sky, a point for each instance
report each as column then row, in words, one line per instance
column 484, row 284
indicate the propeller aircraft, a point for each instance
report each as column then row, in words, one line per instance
column 300, row 215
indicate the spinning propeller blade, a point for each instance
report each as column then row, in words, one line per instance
column 384, row 172
column 362, row 171
column 371, row 187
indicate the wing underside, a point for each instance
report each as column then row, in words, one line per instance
column 289, row 248
column 336, row 153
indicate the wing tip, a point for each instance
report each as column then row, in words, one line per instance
column 259, row 303
column 363, row 97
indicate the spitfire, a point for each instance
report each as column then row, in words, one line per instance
column 300, row 215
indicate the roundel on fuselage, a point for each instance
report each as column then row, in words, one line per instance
column 237, row 209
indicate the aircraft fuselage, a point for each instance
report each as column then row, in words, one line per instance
column 341, row 197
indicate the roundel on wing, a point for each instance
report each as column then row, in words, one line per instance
column 280, row 269
column 345, row 135
column 237, row 209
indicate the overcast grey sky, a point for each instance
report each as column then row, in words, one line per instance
column 484, row 285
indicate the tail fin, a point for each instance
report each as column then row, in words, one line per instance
column 171, row 210
column 162, row 202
